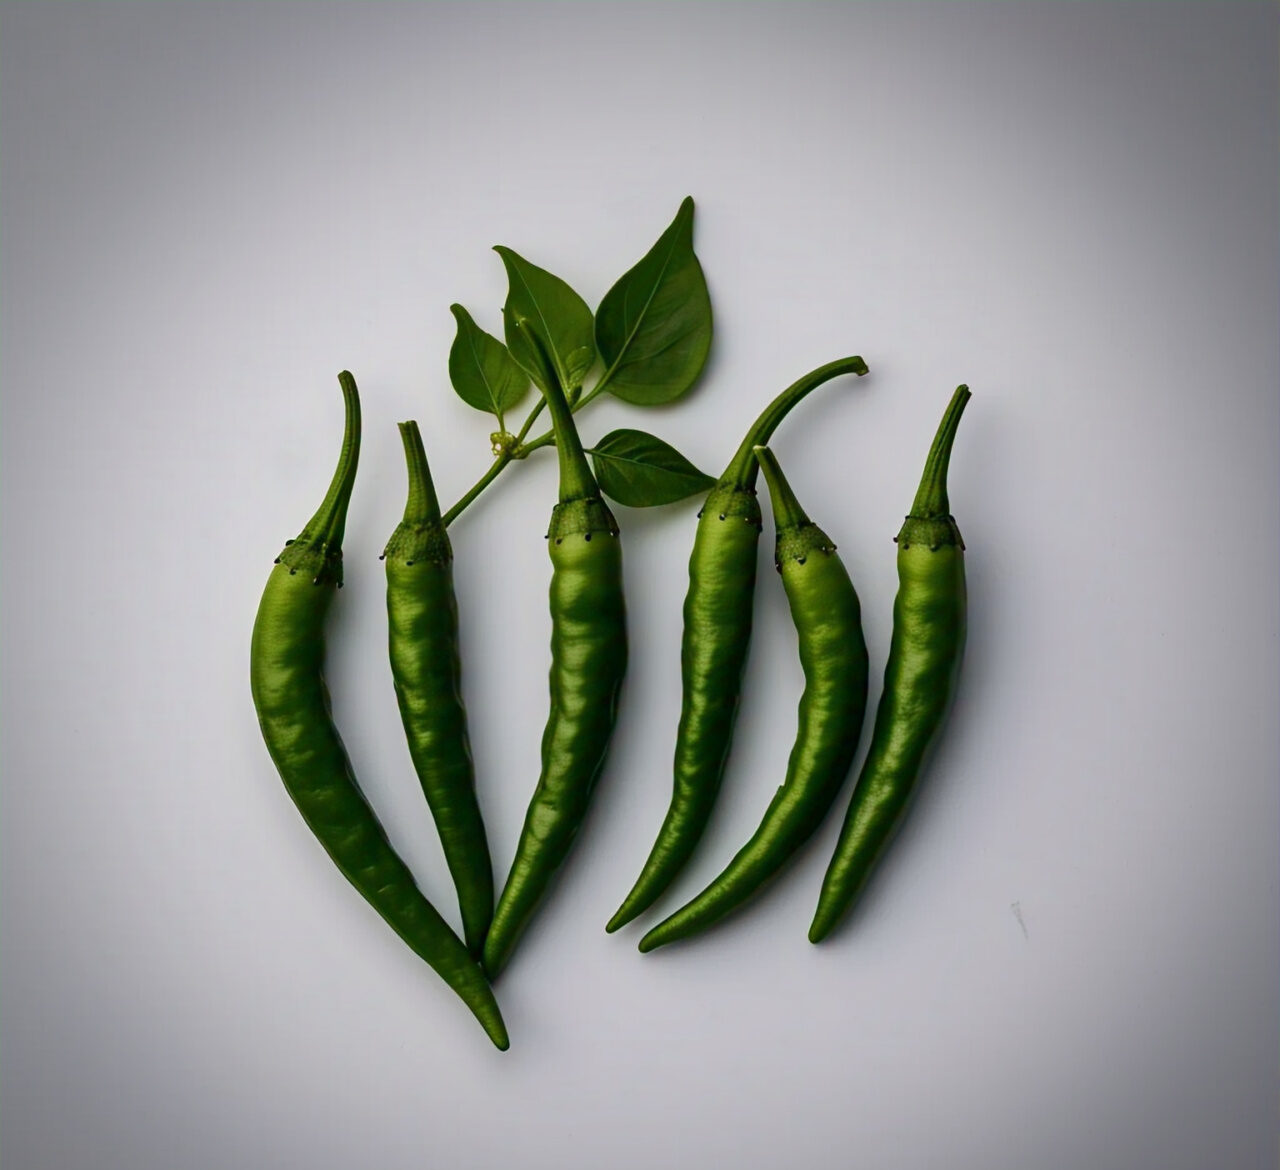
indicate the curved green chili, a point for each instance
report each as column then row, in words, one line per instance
column 292, row 700
column 588, row 660
column 422, row 619
column 919, row 680
column 833, row 655
column 713, row 650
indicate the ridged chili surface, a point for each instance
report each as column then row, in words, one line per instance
column 588, row 662
column 718, row 611
column 833, row 655
column 929, row 622
column 287, row 678
column 426, row 668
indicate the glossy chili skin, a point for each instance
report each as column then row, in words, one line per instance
column 422, row 620
column 713, row 650
column 588, row 661
column 287, row 678
column 919, row 681
column 833, row 655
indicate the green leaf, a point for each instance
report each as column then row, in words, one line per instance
column 483, row 373
column 641, row 471
column 653, row 327
column 560, row 318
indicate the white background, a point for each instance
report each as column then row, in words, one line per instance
column 208, row 210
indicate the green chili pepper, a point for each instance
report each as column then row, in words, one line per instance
column 588, row 660
column 833, row 654
column 919, row 680
column 713, row 652
column 292, row 700
column 422, row 615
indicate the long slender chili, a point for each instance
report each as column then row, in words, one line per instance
column 588, row 660
column 286, row 673
column 422, row 619
column 833, row 655
column 713, row 652
column 919, row 680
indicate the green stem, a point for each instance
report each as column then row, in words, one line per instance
column 327, row 527
column 422, row 505
column 576, row 480
column 528, row 422
column 931, row 497
column 548, row 437
column 742, row 469
column 543, row 440
column 522, row 448
column 787, row 512
column 495, row 469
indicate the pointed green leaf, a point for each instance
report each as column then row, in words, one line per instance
column 653, row 327
column 641, row 471
column 560, row 318
column 483, row 373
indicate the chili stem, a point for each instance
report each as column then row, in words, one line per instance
column 522, row 448
column 931, row 498
column 576, row 480
column 787, row 512
column 328, row 525
column 549, row 436
column 743, row 468
column 495, row 469
column 422, row 506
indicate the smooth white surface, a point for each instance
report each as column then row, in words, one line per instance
column 209, row 210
